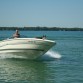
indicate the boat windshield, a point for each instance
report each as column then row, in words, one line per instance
column 21, row 36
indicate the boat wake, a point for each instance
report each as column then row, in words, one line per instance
column 50, row 55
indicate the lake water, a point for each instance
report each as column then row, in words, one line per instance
column 61, row 64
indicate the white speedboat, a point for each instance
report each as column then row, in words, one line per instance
column 31, row 48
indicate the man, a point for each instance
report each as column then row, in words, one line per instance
column 16, row 35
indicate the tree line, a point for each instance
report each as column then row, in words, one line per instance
column 41, row 28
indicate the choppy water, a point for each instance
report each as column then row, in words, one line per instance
column 62, row 64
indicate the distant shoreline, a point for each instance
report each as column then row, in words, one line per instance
column 40, row 29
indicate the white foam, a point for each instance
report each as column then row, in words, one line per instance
column 50, row 55
column 53, row 54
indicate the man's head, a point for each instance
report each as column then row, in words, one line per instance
column 16, row 31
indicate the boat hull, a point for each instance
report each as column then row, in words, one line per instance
column 31, row 48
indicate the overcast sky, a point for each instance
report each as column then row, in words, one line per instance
column 49, row 13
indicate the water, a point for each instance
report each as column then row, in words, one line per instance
column 62, row 64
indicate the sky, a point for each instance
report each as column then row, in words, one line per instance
column 43, row 13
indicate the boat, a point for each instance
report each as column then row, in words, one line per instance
column 31, row 48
